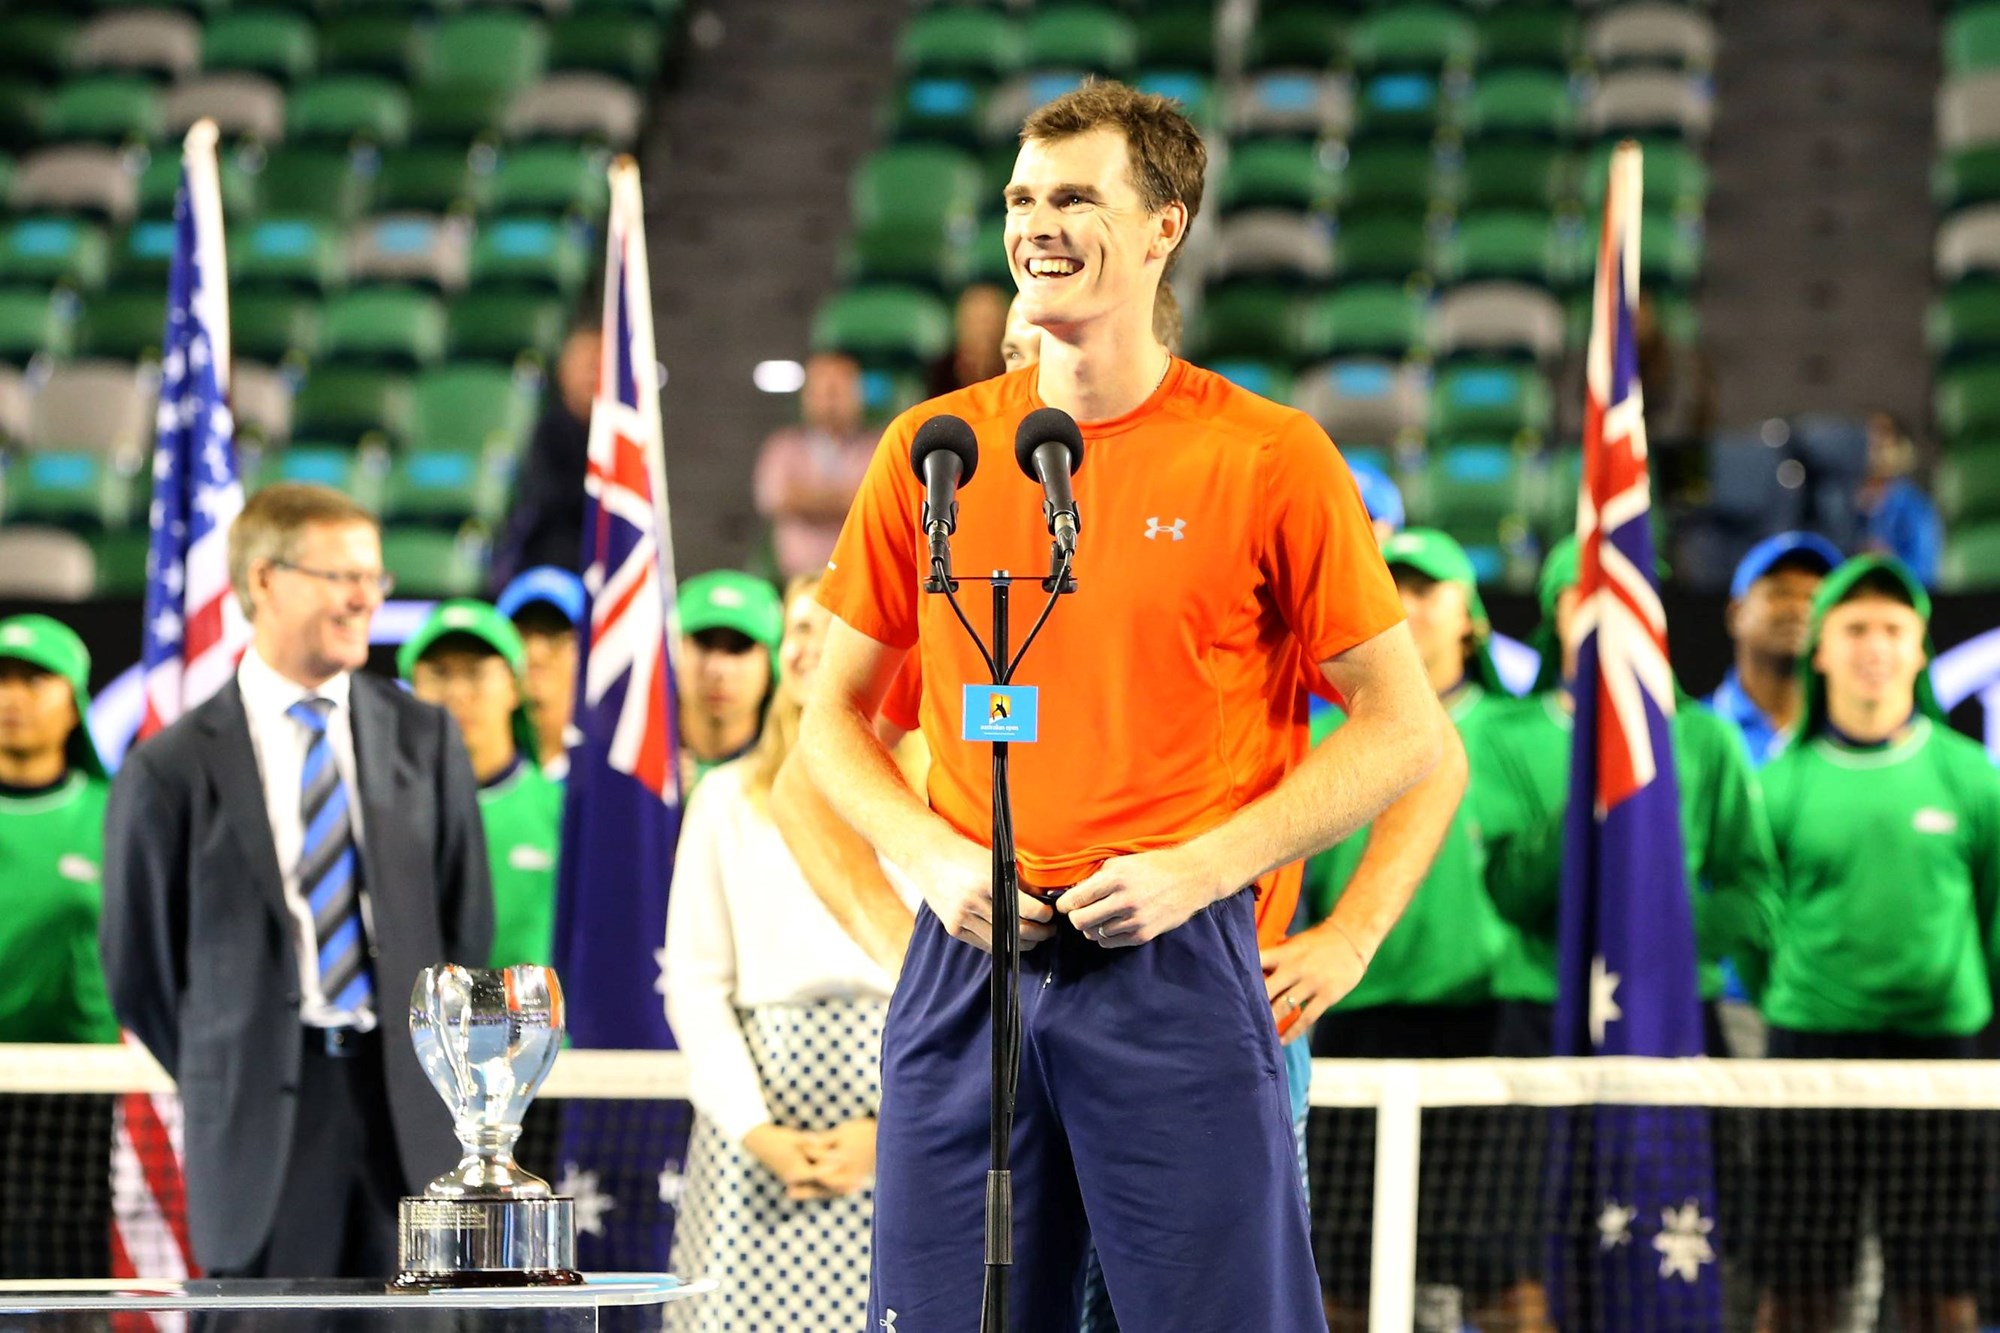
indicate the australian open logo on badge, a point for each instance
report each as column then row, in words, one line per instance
column 1001, row 713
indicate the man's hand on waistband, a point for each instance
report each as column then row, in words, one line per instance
column 1308, row 974
column 1134, row 899
column 957, row 882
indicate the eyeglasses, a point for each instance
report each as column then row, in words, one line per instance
column 352, row 579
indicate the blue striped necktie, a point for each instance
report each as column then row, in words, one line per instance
column 330, row 869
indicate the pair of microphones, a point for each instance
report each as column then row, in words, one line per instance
column 1047, row 445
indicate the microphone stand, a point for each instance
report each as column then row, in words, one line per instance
column 1005, row 987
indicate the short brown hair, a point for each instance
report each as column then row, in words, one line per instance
column 1169, row 160
column 270, row 524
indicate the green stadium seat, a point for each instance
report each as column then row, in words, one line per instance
column 917, row 252
column 627, row 46
column 1522, row 102
column 315, row 183
column 432, row 563
column 305, row 254
column 1082, row 37
column 937, row 108
column 665, row 12
column 470, row 406
column 1530, row 34
column 427, row 180
column 1673, row 178
column 1481, row 493
column 1972, row 39
column 1967, row 485
column 272, row 326
column 916, row 183
column 1195, row 93
column 1390, row 176
column 121, row 561
column 533, row 253
column 161, row 181
column 985, row 260
column 1555, row 511
column 37, row 44
column 1490, row 401
column 884, row 393
column 887, row 323
column 340, row 110
column 1413, row 36
column 1390, row 245
column 447, row 486
column 1363, row 319
column 550, row 178
column 1177, row 39
column 274, row 43
column 1253, row 321
column 388, row 325
column 392, row 46
column 446, row 114
column 1967, row 176
column 1971, row 558
column 1968, row 401
column 1965, row 321
column 1669, row 250
column 32, row 322
column 357, row 472
column 127, row 326
column 502, row 326
column 69, row 488
column 1403, row 103
column 1536, row 176
column 487, row 49
column 350, row 404
column 22, row 106
column 141, row 255
column 1518, row 244
column 1297, row 39
column 1280, row 173
column 961, row 41
column 1266, row 379
column 106, row 108
column 53, row 251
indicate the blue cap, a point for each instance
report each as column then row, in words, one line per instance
column 1379, row 494
column 544, row 583
column 1784, row 546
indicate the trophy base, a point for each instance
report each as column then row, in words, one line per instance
column 486, row 1243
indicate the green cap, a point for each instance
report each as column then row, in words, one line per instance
column 54, row 647
column 729, row 599
column 1437, row 555
column 477, row 620
column 1833, row 590
column 1561, row 568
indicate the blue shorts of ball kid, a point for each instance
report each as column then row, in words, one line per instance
column 1152, row 1117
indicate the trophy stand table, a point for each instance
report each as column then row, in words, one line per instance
column 351, row 1305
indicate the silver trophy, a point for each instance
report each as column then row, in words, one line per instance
column 487, row 1037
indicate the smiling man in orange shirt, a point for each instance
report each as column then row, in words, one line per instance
column 1225, row 548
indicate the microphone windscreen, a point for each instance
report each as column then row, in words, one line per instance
column 949, row 433
column 1048, row 425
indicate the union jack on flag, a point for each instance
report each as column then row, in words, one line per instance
column 1627, row 983
column 621, row 813
column 193, row 634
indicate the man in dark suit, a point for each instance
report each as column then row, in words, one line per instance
column 279, row 865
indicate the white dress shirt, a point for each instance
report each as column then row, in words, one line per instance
column 280, row 743
column 745, row 929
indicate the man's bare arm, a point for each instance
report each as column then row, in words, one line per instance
column 847, row 762
column 1394, row 736
column 841, row 867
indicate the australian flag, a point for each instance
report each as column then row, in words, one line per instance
column 622, row 1161
column 1642, row 1176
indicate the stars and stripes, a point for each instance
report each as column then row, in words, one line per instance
column 1627, row 983
column 622, row 808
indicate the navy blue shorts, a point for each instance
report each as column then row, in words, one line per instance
column 1152, row 1118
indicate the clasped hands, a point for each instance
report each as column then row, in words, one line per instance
column 816, row 1164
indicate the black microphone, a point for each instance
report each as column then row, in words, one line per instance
column 1049, row 448
column 944, row 455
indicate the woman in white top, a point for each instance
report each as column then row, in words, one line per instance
column 779, row 1013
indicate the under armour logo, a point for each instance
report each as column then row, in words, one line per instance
column 1154, row 528
column 889, row 1322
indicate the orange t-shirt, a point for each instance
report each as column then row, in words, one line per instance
column 1223, row 546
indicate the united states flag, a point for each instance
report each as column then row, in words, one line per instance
column 194, row 633
column 1643, row 1176
column 622, row 1161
